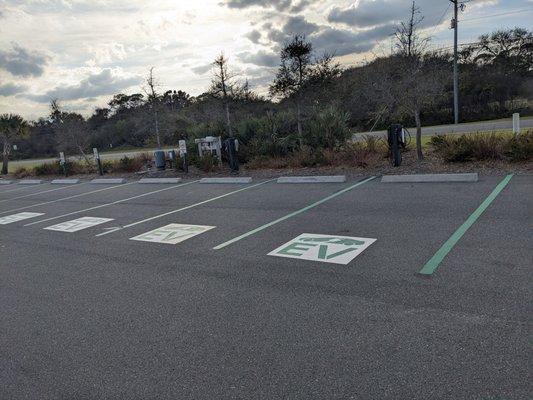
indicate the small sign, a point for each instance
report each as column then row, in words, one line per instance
column 62, row 157
column 9, row 219
column 95, row 153
column 182, row 147
column 323, row 248
column 172, row 233
column 78, row 224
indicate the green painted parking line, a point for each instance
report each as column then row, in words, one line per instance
column 432, row 265
column 310, row 206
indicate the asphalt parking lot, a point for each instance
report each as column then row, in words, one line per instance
column 355, row 290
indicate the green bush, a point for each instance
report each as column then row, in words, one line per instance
column 482, row 147
column 71, row 167
column 47, row 169
column 328, row 128
column 206, row 163
column 22, row 172
column 520, row 147
column 273, row 134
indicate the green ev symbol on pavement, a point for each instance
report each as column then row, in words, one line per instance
column 324, row 248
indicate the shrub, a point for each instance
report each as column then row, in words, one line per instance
column 328, row 128
column 71, row 167
column 207, row 163
column 22, row 172
column 125, row 164
column 273, row 134
column 357, row 154
column 481, row 147
column 47, row 169
column 307, row 157
column 266, row 162
column 520, row 147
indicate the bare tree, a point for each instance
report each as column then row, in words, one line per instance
column 224, row 86
column 153, row 101
column 71, row 131
column 420, row 82
column 410, row 80
column 11, row 127
column 409, row 41
column 420, row 87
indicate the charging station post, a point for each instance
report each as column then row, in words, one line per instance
column 231, row 145
column 182, row 148
column 98, row 162
column 63, row 162
column 396, row 141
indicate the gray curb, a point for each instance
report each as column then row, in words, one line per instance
column 160, row 180
column 421, row 178
column 312, row 179
column 226, row 180
column 65, row 181
column 30, row 182
column 109, row 181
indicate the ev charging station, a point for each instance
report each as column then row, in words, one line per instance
column 63, row 162
column 210, row 145
column 397, row 140
column 231, row 146
column 96, row 156
column 182, row 148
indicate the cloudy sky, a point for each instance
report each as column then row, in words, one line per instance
column 84, row 51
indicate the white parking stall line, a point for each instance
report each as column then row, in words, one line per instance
column 65, row 198
column 41, row 192
column 9, row 219
column 109, row 204
column 78, row 224
column 18, row 189
column 112, row 230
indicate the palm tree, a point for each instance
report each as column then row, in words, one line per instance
column 11, row 127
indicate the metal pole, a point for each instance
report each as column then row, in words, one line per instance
column 455, row 69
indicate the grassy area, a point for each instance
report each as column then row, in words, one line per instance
column 13, row 165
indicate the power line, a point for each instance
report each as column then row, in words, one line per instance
column 497, row 15
column 441, row 18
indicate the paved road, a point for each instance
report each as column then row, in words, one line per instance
column 105, row 317
column 104, row 156
column 484, row 126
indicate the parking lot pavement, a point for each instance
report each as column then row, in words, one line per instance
column 200, row 310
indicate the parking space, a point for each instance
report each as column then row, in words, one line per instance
column 174, row 278
column 71, row 194
column 11, row 191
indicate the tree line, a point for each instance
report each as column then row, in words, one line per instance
column 312, row 101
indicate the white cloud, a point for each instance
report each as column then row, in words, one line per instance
column 261, row 58
column 104, row 82
column 10, row 89
column 84, row 51
column 20, row 61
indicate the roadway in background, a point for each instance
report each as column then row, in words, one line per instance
column 469, row 127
